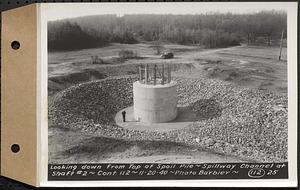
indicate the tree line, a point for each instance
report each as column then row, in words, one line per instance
column 207, row 30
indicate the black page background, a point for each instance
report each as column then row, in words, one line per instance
column 8, row 184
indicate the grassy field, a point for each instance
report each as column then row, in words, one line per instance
column 251, row 67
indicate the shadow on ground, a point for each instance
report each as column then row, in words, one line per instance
column 103, row 149
column 202, row 109
column 103, row 146
column 106, row 150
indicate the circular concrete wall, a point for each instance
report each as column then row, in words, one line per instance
column 154, row 103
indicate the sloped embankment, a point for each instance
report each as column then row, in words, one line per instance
column 247, row 123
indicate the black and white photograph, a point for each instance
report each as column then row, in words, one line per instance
column 168, row 83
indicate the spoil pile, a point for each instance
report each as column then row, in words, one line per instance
column 247, row 123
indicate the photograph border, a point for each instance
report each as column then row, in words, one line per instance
column 292, row 121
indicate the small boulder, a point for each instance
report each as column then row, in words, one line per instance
column 209, row 142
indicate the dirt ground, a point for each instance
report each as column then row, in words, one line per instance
column 252, row 67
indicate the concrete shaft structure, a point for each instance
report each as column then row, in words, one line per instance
column 155, row 103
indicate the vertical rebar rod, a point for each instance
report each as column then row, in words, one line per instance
column 163, row 75
column 143, row 73
column 169, row 73
column 280, row 45
column 154, row 74
column 146, row 74
column 140, row 74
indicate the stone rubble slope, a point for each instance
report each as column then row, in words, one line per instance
column 247, row 123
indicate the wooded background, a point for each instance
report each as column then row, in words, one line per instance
column 208, row 30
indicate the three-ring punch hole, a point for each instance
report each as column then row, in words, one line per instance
column 15, row 45
column 15, row 148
